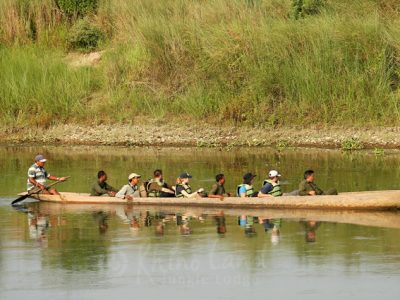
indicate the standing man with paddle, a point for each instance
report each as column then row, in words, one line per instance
column 37, row 176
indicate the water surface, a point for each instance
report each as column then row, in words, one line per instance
column 100, row 252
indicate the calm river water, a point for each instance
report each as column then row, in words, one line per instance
column 101, row 252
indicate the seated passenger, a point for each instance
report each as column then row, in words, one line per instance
column 183, row 189
column 101, row 187
column 218, row 189
column 246, row 188
column 271, row 187
column 307, row 187
column 130, row 190
column 157, row 187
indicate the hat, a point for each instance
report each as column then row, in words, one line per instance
column 185, row 175
column 273, row 173
column 133, row 175
column 248, row 176
column 40, row 158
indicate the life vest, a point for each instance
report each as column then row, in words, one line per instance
column 186, row 188
column 154, row 193
column 276, row 188
column 249, row 189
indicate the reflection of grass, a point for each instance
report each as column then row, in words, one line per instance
column 379, row 152
column 282, row 144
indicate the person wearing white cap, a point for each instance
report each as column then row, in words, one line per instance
column 271, row 187
column 130, row 190
column 37, row 176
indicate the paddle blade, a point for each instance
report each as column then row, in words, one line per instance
column 23, row 197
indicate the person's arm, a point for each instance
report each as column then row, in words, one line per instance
column 213, row 193
column 55, row 178
column 317, row 190
column 36, row 184
column 192, row 195
column 303, row 189
column 168, row 189
column 98, row 190
column 165, row 190
column 122, row 192
column 264, row 192
column 111, row 191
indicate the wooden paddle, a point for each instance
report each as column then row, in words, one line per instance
column 34, row 191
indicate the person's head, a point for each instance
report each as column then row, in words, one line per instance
column 220, row 178
column 102, row 176
column 185, row 177
column 134, row 178
column 158, row 174
column 309, row 175
column 40, row 160
column 274, row 175
column 248, row 178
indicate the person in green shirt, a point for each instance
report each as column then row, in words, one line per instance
column 101, row 187
column 307, row 186
column 218, row 189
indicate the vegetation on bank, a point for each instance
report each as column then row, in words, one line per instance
column 243, row 62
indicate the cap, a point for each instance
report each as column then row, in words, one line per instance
column 248, row 176
column 133, row 175
column 273, row 173
column 40, row 158
column 185, row 175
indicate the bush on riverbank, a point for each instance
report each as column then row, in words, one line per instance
column 238, row 62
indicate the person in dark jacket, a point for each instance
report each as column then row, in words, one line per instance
column 307, row 186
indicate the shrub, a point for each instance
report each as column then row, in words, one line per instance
column 84, row 36
column 77, row 7
column 302, row 8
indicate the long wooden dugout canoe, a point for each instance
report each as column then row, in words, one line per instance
column 371, row 200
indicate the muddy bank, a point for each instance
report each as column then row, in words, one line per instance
column 204, row 136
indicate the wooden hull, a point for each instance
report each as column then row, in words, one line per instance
column 374, row 200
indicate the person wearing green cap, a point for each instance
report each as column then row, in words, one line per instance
column 184, row 190
column 37, row 176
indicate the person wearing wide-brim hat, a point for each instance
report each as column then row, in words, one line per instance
column 271, row 186
column 246, row 189
column 37, row 176
column 130, row 190
column 184, row 190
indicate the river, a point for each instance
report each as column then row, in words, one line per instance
column 99, row 252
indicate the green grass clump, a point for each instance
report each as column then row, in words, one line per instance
column 352, row 144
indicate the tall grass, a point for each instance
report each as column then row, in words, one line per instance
column 244, row 62
column 38, row 88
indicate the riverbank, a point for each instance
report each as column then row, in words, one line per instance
column 237, row 63
column 205, row 135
